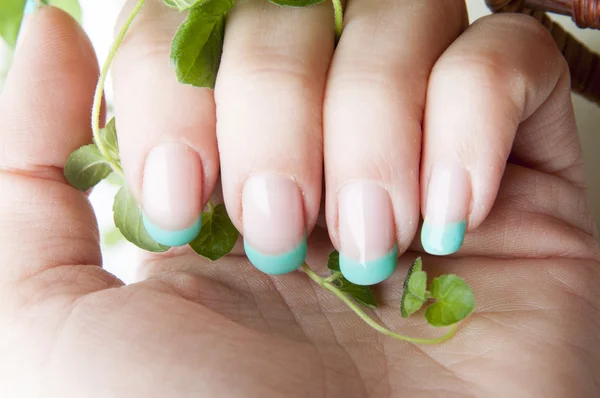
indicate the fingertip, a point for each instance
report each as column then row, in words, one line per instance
column 166, row 130
column 446, row 209
column 277, row 264
column 371, row 272
column 172, row 192
column 172, row 238
column 443, row 239
column 367, row 233
column 273, row 223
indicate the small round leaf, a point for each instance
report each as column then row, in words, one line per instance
column 86, row 167
column 454, row 301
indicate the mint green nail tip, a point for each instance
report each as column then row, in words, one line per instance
column 173, row 238
column 369, row 272
column 277, row 264
column 30, row 7
column 443, row 239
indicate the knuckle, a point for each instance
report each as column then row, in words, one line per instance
column 514, row 59
column 491, row 71
column 525, row 32
column 152, row 32
column 392, row 86
column 265, row 66
column 524, row 26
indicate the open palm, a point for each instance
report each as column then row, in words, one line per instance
column 223, row 329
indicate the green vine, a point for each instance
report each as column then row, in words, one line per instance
column 339, row 18
column 327, row 284
column 99, row 94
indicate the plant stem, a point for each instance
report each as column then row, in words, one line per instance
column 339, row 18
column 331, row 278
column 100, row 89
column 367, row 319
column 210, row 206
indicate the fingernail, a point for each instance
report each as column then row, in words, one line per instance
column 172, row 194
column 30, row 7
column 446, row 209
column 273, row 219
column 368, row 250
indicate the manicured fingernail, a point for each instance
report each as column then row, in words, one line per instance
column 273, row 219
column 30, row 7
column 172, row 194
column 446, row 209
column 368, row 250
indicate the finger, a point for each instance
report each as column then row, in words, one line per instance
column 44, row 116
column 373, row 111
column 529, row 219
column 505, row 70
column 269, row 102
column 166, row 129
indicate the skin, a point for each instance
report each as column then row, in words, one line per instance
column 193, row 328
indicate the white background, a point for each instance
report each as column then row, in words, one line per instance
column 121, row 259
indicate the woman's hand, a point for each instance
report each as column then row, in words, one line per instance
column 407, row 107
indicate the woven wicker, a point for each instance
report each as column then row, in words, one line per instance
column 583, row 63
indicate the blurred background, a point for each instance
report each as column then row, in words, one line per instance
column 121, row 258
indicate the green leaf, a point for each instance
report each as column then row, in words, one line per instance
column 218, row 235
column 11, row 15
column 333, row 262
column 454, row 301
column 198, row 45
column 296, row 3
column 415, row 285
column 128, row 218
column 108, row 136
column 86, row 167
column 112, row 237
column 183, row 5
column 361, row 294
column 215, row 8
column 70, row 6
column 114, row 179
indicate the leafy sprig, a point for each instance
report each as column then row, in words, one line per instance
column 195, row 56
column 353, row 300
column 453, row 298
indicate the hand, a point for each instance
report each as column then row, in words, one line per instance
column 195, row 328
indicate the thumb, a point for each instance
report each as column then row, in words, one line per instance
column 47, row 228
